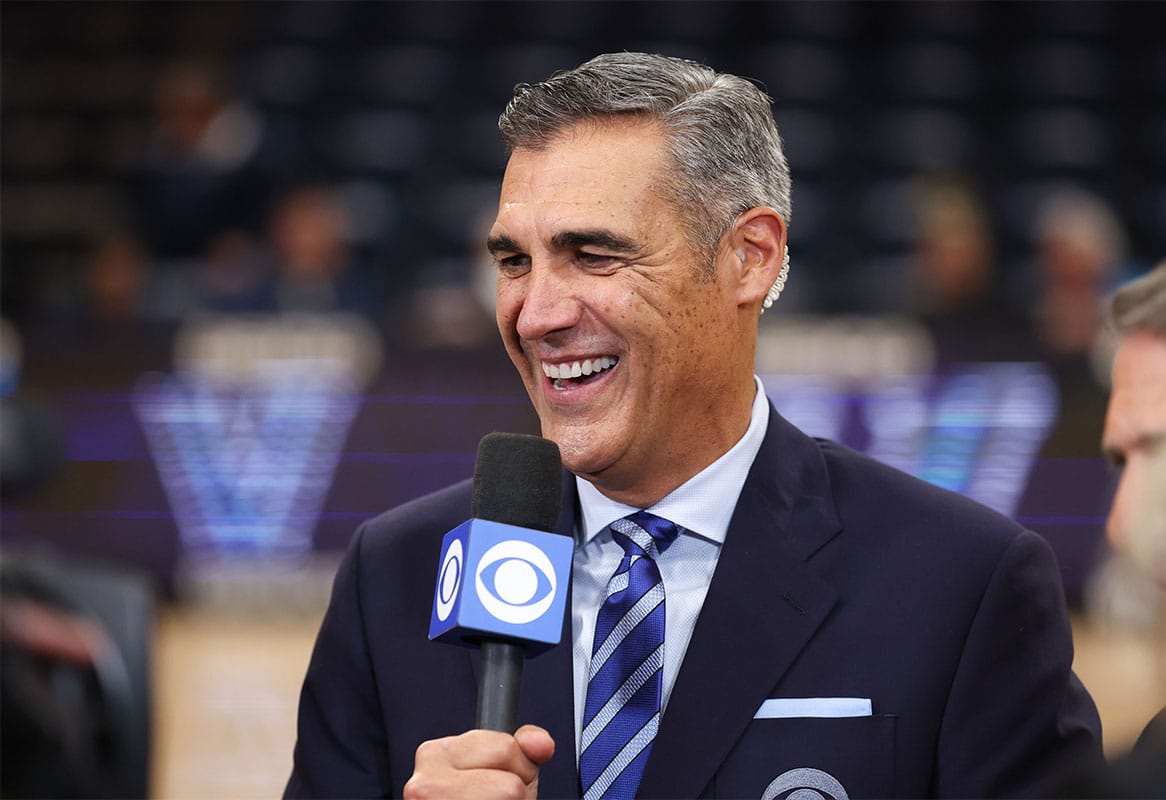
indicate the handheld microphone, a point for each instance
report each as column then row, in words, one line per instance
column 503, row 580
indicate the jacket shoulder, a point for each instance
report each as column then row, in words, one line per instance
column 869, row 493
column 415, row 525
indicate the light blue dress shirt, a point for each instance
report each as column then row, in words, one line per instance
column 702, row 508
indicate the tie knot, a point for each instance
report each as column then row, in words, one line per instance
column 644, row 534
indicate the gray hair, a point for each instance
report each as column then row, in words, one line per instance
column 720, row 131
column 1141, row 304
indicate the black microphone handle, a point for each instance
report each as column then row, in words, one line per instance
column 499, row 684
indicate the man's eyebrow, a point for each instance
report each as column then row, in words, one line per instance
column 603, row 239
column 502, row 244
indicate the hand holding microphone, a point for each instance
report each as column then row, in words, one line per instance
column 480, row 764
column 501, row 586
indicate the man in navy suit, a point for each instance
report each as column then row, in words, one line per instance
column 832, row 626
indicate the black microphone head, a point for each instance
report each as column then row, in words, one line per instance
column 518, row 481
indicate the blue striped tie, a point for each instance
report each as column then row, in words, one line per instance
column 622, row 710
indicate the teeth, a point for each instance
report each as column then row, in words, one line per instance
column 577, row 369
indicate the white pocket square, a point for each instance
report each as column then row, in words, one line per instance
column 787, row 707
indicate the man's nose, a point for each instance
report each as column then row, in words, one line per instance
column 549, row 302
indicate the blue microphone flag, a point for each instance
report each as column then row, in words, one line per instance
column 503, row 582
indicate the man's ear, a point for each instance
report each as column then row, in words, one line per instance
column 756, row 243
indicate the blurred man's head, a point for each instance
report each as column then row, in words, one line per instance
column 955, row 249
column 1135, row 425
column 309, row 231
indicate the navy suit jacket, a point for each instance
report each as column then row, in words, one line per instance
column 839, row 577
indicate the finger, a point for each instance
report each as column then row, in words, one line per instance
column 473, row 784
column 476, row 749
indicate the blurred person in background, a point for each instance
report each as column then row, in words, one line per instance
column 303, row 261
column 1080, row 248
column 458, row 313
column 955, row 273
column 1135, row 426
column 1134, row 441
column 314, row 265
column 115, row 281
column 32, row 446
column 54, row 744
column 208, row 167
column 202, row 192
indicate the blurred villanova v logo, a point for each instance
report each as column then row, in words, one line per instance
column 245, row 468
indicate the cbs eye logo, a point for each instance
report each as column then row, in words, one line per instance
column 449, row 579
column 805, row 783
column 515, row 582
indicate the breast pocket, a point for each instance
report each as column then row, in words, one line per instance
column 835, row 759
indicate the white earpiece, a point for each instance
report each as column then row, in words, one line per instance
column 775, row 290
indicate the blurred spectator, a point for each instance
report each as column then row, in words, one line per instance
column 74, row 679
column 315, row 268
column 1135, row 442
column 955, row 273
column 1080, row 247
column 955, row 247
column 51, row 744
column 209, row 167
column 303, row 262
column 31, row 440
column 199, row 200
column 233, row 276
column 453, row 307
column 1135, row 425
column 115, row 281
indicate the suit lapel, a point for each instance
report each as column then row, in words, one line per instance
column 763, row 606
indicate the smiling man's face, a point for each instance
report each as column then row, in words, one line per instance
column 638, row 363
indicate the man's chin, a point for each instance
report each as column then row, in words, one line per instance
column 579, row 452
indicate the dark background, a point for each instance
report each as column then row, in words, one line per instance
column 393, row 106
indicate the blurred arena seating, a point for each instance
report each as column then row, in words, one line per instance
column 147, row 147
column 396, row 102
column 113, row 232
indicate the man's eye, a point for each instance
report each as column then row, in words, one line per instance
column 593, row 260
column 513, row 266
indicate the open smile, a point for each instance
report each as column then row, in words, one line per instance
column 568, row 374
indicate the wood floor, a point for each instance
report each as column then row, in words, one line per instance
column 225, row 693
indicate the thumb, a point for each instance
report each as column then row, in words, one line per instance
column 536, row 743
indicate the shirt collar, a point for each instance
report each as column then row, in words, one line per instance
column 703, row 504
